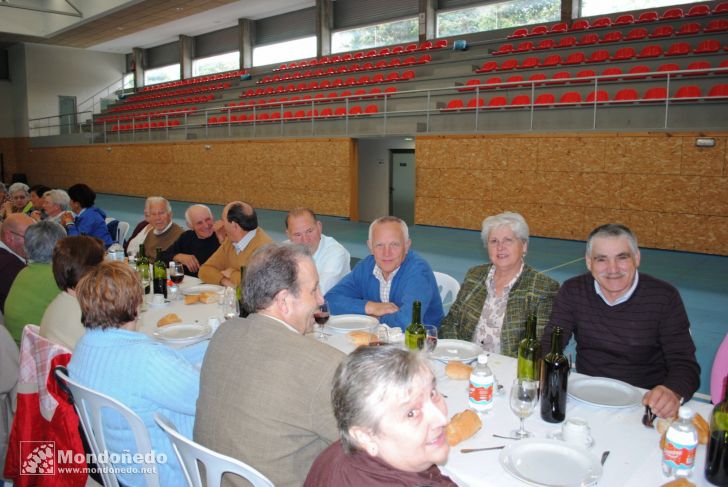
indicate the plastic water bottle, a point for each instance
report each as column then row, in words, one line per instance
column 115, row 252
column 482, row 382
column 681, row 442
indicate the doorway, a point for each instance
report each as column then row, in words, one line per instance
column 402, row 189
column 67, row 114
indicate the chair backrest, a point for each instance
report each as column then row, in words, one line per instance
column 89, row 404
column 190, row 453
column 121, row 230
column 448, row 287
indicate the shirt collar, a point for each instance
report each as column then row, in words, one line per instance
column 3, row 246
column 243, row 242
column 622, row 298
column 377, row 271
column 157, row 232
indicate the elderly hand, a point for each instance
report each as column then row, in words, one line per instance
column 66, row 218
column 189, row 261
column 35, row 215
column 663, row 402
column 374, row 308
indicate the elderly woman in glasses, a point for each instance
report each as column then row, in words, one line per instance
column 19, row 201
column 496, row 299
column 391, row 420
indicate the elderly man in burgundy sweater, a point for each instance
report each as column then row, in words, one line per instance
column 627, row 325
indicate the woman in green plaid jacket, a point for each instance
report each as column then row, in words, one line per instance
column 496, row 299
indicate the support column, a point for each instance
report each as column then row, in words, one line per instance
column 186, row 52
column 138, row 66
column 570, row 9
column 246, row 34
column 324, row 26
column 427, row 18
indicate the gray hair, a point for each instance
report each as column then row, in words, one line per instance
column 40, row 239
column 187, row 213
column 3, row 189
column 612, row 230
column 271, row 269
column 512, row 220
column 389, row 219
column 362, row 381
column 152, row 200
column 15, row 187
column 58, row 197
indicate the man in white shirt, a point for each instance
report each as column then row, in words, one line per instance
column 12, row 253
column 331, row 258
column 164, row 231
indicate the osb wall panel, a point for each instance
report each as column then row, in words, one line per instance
column 673, row 194
column 276, row 175
column 14, row 151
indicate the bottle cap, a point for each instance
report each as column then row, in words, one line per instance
column 482, row 358
column 685, row 412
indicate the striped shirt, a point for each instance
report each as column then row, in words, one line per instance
column 644, row 341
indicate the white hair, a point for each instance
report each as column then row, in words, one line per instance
column 512, row 220
column 152, row 200
column 188, row 210
column 15, row 187
column 58, row 197
column 389, row 219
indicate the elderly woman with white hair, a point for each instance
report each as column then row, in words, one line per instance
column 496, row 299
column 19, row 201
column 391, row 421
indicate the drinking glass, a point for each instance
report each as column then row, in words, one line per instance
column 145, row 280
column 322, row 316
column 230, row 304
column 430, row 338
column 524, row 396
column 176, row 272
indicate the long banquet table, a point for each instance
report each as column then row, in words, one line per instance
column 634, row 459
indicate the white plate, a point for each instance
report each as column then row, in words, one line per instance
column 604, row 392
column 460, row 350
column 183, row 334
column 550, row 463
column 150, row 302
column 203, row 288
column 347, row 323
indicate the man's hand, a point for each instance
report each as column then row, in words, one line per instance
column 226, row 277
column 663, row 402
column 374, row 308
column 189, row 261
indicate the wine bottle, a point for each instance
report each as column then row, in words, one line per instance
column 142, row 262
column 239, row 294
column 554, row 380
column 160, row 275
column 415, row 334
column 529, row 352
column 716, row 460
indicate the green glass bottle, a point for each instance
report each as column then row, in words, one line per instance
column 142, row 265
column 529, row 352
column 716, row 460
column 159, row 275
column 414, row 336
column 554, row 381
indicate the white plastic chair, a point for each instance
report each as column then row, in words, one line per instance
column 89, row 404
column 448, row 287
column 216, row 464
column 121, row 230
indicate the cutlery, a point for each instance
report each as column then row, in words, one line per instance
column 649, row 417
column 471, row 450
column 605, row 455
column 505, row 437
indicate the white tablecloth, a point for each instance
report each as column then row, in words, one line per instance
column 635, row 455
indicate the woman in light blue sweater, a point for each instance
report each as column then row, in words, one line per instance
column 115, row 359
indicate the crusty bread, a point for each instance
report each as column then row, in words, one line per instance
column 192, row 298
column 462, row 426
column 208, row 297
column 360, row 338
column 458, row 370
column 703, row 429
column 681, row 482
column 169, row 319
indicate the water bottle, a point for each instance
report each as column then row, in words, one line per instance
column 115, row 252
column 681, row 442
column 480, row 397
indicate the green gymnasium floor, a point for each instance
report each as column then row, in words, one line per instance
column 700, row 278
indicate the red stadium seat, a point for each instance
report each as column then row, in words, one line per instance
column 623, row 53
column 497, row 101
column 614, row 36
column 588, row 39
column 545, row 99
column 699, row 68
column 424, row 59
column 371, row 109
column 599, row 56
column 559, row 28
column 529, row 62
column 689, row 91
column 625, row 19
column 689, row 28
column 658, row 93
column 666, row 68
column 678, row 49
column 524, row 46
column 601, row 22
column 537, row 77
column 717, row 25
column 698, row 10
column 355, row 110
column 652, row 50
column 559, row 77
column 538, row 30
column 567, row 41
column 503, row 49
column 508, row 64
column 719, row 91
column 476, row 102
column 721, row 8
column 439, row 44
column 520, row 100
column 487, row 67
column 544, row 44
column 600, row 96
column 385, row 51
column 707, row 46
column 636, row 34
column 672, row 14
column 425, row 46
column 661, row 31
column 514, row 79
column 518, row 33
column 635, row 72
column 550, row 61
column 626, row 94
column 470, row 84
column 579, row 24
column 585, row 73
column 644, row 17
column 574, row 58
column 612, row 73
column 570, row 98
column 407, row 75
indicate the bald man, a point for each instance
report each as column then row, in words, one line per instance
column 243, row 237
column 197, row 244
column 12, row 252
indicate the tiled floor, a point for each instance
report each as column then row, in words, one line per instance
column 702, row 279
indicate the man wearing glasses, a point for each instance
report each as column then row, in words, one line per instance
column 12, row 253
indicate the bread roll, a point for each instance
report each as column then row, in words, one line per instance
column 192, row 298
column 681, row 482
column 169, row 319
column 703, row 429
column 209, row 298
column 462, row 426
column 458, row 370
column 360, row 338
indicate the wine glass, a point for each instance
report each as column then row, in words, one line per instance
column 176, row 272
column 230, row 304
column 430, row 338
column 322, row 316
column 524, row 396
column 145, row 280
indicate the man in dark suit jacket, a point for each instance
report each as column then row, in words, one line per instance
column 265, row 386
column 12, row 253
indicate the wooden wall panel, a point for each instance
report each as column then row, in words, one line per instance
column 672, row 193
column 278, row 175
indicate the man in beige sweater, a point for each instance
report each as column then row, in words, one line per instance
column 243, row 239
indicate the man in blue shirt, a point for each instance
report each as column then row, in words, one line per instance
column 386, row 283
